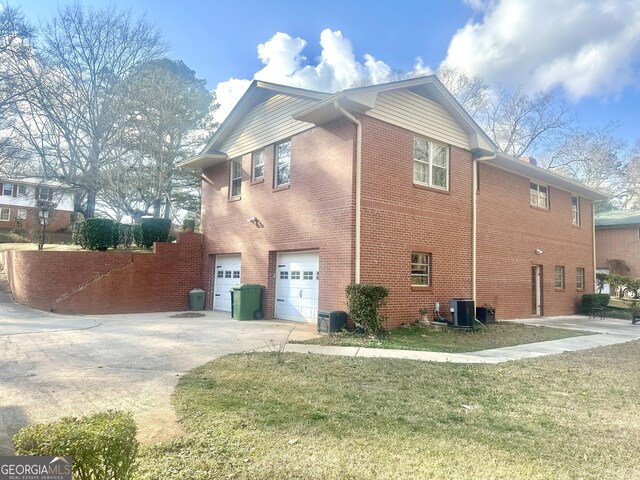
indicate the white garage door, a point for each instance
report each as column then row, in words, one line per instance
column 297, row 286
column 226, row 275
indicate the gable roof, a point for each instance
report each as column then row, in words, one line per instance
column 618, row 218
column 258, row 92
column 361, row 99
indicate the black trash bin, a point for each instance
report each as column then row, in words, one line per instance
column 486, row 314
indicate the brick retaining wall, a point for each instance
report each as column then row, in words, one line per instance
column 107, row 282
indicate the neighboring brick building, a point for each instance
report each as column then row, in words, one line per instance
column 18, row 203
column 618, row 244
column 306, row 192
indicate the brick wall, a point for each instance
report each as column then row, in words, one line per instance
column 314, row 213
column 399, row 218
column 107, row 282
column 61, row 219
column 618, row 243
column 509, row 232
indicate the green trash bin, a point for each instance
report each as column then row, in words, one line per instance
column 196, row 299
column 247, row 300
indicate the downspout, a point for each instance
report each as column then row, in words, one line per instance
column 474, row 223
column 593, row 241
column 358, row 184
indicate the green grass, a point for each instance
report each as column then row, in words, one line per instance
column 496, row 335
column 567, row 416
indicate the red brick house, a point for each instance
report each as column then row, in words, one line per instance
column 18, row 203
column 394, row 184
column 618, row 245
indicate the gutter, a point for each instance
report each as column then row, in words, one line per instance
column 593, row 241
column 358, row 184
column 474, row 223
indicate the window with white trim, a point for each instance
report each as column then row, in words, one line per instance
column 235, row 180
column 579, row 278
column 44, row 193
column 539, row 195
column 5, row 214
column 22, row 190
column 257, row 165
column 575, row 210
column 421, row 269
column 283, row 164
column 430, row 163
column 7, row 189
column 559, row 277
column 22, row 214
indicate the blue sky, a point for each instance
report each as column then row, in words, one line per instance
column 590, row 50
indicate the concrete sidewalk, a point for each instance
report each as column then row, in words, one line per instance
column 610, row 332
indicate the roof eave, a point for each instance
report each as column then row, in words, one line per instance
column 520, row 167
column 200, row 162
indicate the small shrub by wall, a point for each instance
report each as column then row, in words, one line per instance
column 103, row 445
column 153, row 230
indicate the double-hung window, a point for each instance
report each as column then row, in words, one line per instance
column 22, row 190
column 559, row 277
column 283, row 164
column 539, row 195
column 421, row 269
column 44, row 193
column 7, row 189
column 5, row 214
column 430, row 163
column 579, row 278
column 575, row 210
column 257, row 165
column 236, row 178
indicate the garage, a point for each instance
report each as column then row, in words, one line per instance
column 297, row 277
column 226, row 275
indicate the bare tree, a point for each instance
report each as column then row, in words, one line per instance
column 596, row 157
column 168, row 107
column 470, row 90
column 16, row 36
column 45, row 211
column 519, row 123
column 74, row 117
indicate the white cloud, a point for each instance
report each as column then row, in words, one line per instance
column 284, row 63
column 587, row 47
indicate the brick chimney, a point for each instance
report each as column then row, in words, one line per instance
column 530, row 160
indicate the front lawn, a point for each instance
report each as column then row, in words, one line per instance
column 495, row 335
column 252, row 416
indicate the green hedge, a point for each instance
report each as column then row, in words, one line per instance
column 364, row 301
column 593, row 300
column 77, row 234
column 153, row 230
column 103, row 446
column 99, row 233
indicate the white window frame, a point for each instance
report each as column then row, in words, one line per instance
column 277, row 163
column 21, row 214
column 559, row 277
column 429, row 163
column 4, row 210
column 24, row 190
column 420, row 269
column 535, row 193
column 235, row 176
column 259, row 155
column 579, row 278
column 575, row 212
column 46, row 196
column 4, row 189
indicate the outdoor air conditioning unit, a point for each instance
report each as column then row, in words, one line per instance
column 463, row 312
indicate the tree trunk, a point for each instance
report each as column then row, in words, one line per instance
column 91, row 205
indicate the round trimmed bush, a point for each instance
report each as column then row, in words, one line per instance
column 99, row 233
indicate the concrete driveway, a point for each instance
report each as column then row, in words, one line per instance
column 53, row 365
